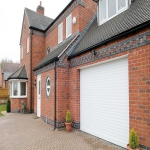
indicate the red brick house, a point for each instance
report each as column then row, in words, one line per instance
column 96, row 65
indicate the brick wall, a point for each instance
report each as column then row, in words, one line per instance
column 86, row 13
column 62, row 93
column 47, row 103
column 26, row 56
column 16, row 104
column 139, row 86
column 82, row 14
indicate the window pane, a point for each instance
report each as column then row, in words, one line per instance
column 121, row 4
column 111, row 8
column 39, row 87
column 28, row 44
column 60, row 34
column 68, row 26
column 22, row 88
column 48, row 86
column 10, row 89
column 15, row 88
column 48, row 82
column 102, row 10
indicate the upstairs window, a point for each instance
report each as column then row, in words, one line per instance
column 60, row 33
column 21, row 52
column 110, row 8
column 68, row 26
column 28, row 44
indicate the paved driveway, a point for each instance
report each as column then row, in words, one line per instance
column 23, row 132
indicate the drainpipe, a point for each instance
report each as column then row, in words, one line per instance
column 31, row 71
column 54, row 95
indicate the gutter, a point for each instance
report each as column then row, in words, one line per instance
column 36, row 29
column 54, row 95
column 46, row 63
column 111, row 39
column 31, row 72
column 16, row 78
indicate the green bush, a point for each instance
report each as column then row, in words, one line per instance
column 8, row 109
column 133, row 139
column 68, row 116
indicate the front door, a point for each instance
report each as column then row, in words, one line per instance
column 39, row 95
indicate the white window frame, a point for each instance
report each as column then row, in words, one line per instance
column 18, row 89
column 68, row 34
column 117, row 11
column 48, row 87
column 60, row 32
column 21, row 51
column 28, row 44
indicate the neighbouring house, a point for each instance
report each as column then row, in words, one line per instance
column 96, row 64
column 6, row 69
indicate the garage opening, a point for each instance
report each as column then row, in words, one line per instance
column 104, row 101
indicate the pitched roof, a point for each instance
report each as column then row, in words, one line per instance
column 37, row 20
column 21, row 73
column 137, row 14
column 9, row 67
column 6, row 75
column 54, row 54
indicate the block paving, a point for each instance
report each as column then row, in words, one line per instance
column 23, row 132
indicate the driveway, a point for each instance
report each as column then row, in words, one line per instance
column 23, row 132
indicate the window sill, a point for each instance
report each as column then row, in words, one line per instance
column 18, row 96
column 59, row 42
column 68, row 35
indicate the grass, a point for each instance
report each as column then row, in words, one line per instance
column 2, row 108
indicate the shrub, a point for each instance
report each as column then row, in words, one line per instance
column 133, row 139
column 8, row 109
column 68, row 116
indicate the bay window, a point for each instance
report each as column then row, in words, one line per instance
column 18, row 88
column 110, row 8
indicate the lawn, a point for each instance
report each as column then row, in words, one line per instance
column 2, row 108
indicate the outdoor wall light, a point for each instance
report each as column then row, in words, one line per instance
column 35, row 82
column 94, row 52
column 74, row 20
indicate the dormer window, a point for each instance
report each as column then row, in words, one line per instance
column 48, row 50
column 110, row 8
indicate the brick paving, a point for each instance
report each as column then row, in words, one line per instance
column 23, row 132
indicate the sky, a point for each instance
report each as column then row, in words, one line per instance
column 11, row 17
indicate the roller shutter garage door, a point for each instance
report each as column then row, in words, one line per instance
column 104, row 101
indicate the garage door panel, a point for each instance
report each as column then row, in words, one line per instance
column 104, row 104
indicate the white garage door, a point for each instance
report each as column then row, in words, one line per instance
column 104, row 101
